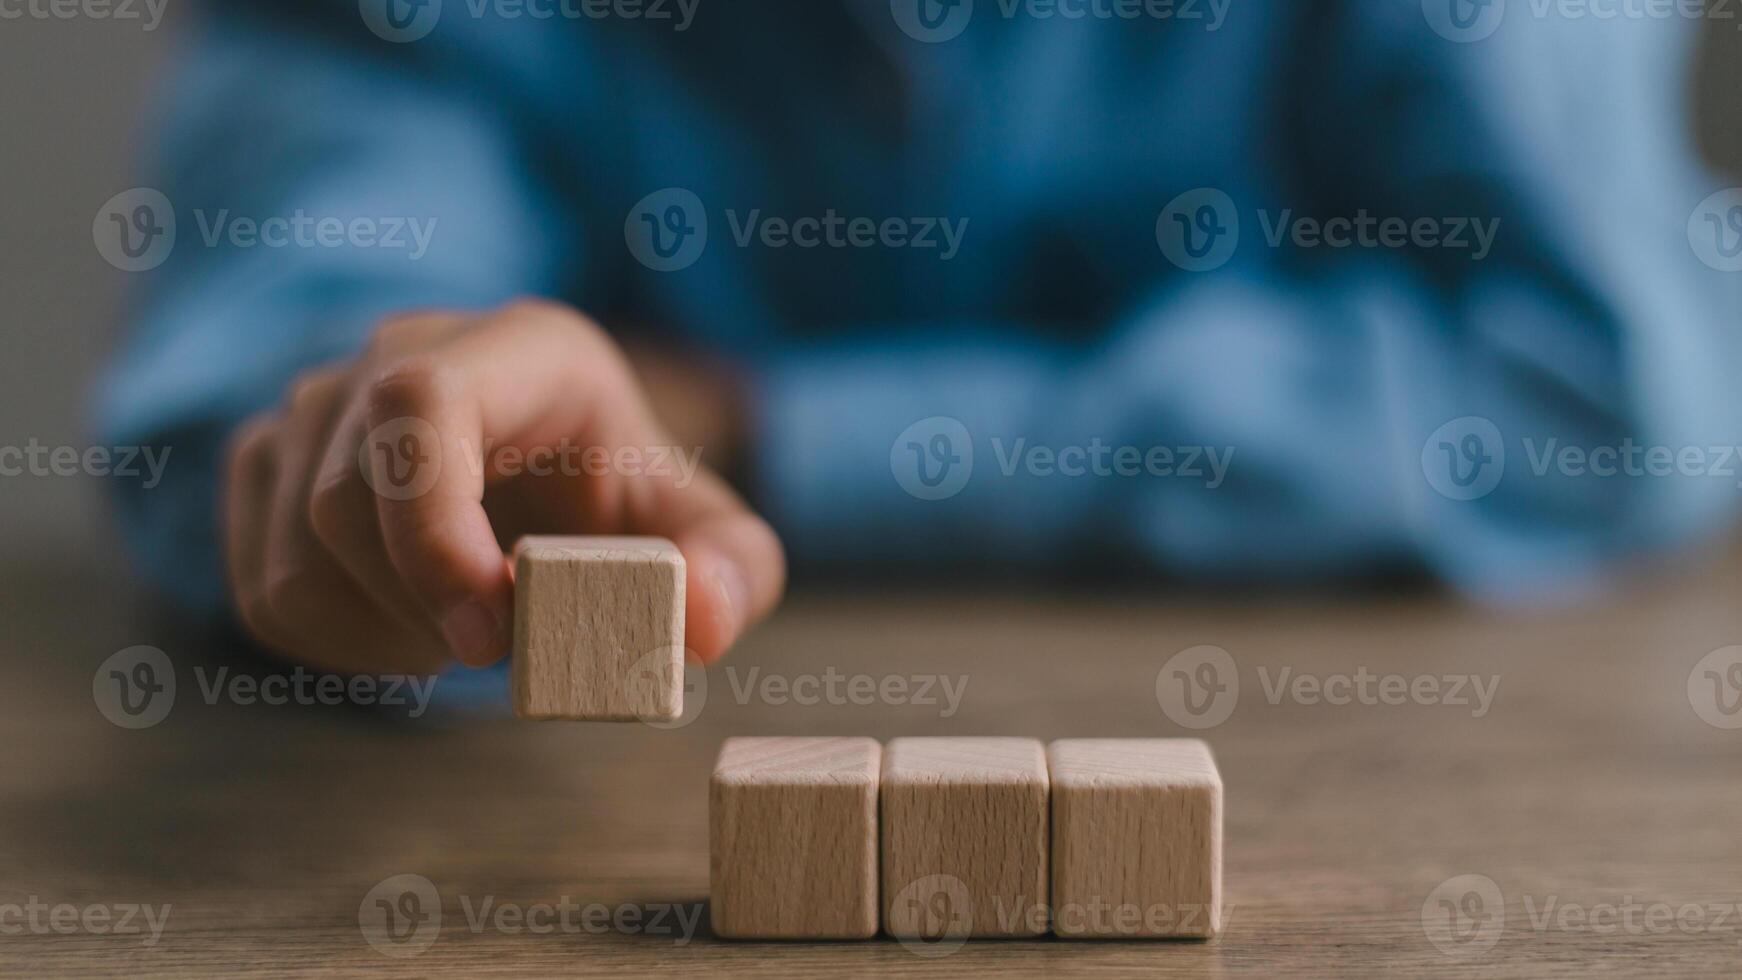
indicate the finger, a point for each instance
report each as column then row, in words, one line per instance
column 530, row 377
column 342, row 505
column 531, row 372
column 425, row 467
column 736, row 568
column 325, row 619
column 248, row 486
column 292, row 551
column 343, row 516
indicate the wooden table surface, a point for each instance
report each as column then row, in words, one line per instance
column 1599, row 800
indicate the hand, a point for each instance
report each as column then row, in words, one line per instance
column 366, row 520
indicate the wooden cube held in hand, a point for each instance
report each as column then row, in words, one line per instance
column 964, row 838
column 794, row 838
column 598, row 629
column 1136, row 838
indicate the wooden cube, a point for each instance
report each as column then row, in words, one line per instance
column 598, row 629
column 1136, row 838
column 964, row 837
column 794, row 838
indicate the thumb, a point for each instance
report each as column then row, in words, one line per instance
column 736, row 569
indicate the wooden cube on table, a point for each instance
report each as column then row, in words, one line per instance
column 964, row 837
column 598, row 628
column 1136, row 838
column 794, row 838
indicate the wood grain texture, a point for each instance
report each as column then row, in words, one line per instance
column 598, row 629
column 793, row 850
column 1589, row 778
column 1137, row 838
column 964, row 837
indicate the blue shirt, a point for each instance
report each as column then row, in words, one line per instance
column 1227, row 291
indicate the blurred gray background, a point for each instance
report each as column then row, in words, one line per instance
column 74, row 116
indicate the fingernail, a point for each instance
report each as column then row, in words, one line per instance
column 737, row 592
column 470, row 630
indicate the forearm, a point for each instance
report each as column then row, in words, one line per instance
column 222, row 326
column 1249, row 428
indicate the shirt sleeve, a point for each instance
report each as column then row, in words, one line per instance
column 1301, row 412
column 319, row 180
